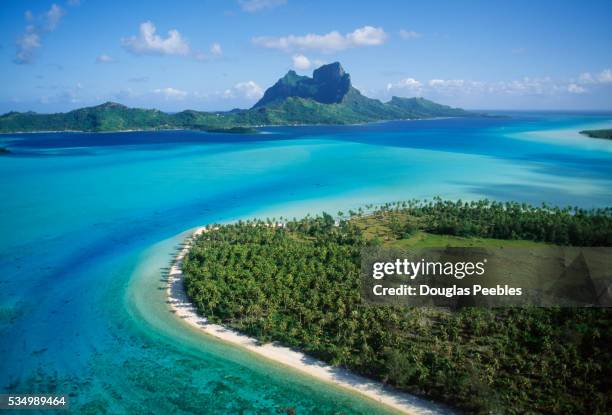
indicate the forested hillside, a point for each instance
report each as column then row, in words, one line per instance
column 299, row 285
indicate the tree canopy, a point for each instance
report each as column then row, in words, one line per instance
column 298, row 284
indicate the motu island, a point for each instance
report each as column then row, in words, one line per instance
column 605, row 133
column 299, row 284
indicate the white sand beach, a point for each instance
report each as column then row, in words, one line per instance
column 184, row 310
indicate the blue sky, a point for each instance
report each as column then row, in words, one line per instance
column 216, row 55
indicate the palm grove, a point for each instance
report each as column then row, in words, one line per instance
column 299, row 285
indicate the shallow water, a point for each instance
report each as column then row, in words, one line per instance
column 89, row 221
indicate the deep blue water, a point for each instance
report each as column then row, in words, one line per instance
column 88, row 221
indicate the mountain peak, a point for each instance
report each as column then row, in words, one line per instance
column 329, row 85
column 332, row 70
column 291, row 78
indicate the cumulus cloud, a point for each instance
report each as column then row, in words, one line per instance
column 249, row 90
column 26, row 47
column 544, row 86
column 215, row 51
column 301, row 62
column 406, row 83
column 31, row 40
column 147, row 42
column 409, row 34
column 252, row 6
column 527, row 86
column 104, row 58
column 523, row 86
column 603, row 77
column 53, row 17
column 171, row 93
column 330, row 42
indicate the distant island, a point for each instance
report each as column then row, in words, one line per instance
column 605, row 133
column 326, row 98
column 4, row 151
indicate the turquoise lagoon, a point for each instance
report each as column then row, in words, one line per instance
column 88, row 222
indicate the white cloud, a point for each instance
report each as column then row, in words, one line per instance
column 171, row 93
column 523, row 86
column 526, row 86
column 31, row 40
column 26, row 46
column 532, row 87
column 406, row 83
column 249, row 90
column 301, row 62
column 329, row 42
column 147, row 42
column 53, row 17
column 409, row 34
column 367, row 36
column 446, row 83
column 603, row 77
column 215, row 49
column 576, row 89
column 252, row 6
column 104, row 58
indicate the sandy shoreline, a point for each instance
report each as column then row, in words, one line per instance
column 180, row 305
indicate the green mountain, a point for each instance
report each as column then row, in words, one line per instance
column 106, row 117
column 329, row 98
column 326, row 98
column 329, row 85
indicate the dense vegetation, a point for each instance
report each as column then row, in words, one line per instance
column 605, row 133
column 327, row 98
column 299, row 285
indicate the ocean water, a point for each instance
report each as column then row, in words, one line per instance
column 88, row 222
